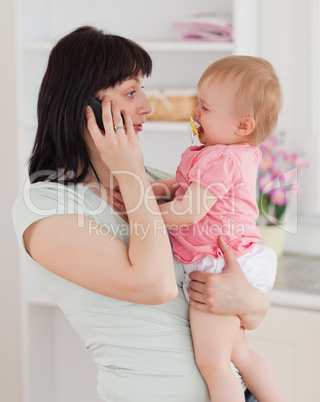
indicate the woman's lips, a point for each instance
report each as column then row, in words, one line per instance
column 138, row 127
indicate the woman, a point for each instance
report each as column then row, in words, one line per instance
column 115, row 280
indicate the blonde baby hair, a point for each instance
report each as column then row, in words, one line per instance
column 259, row 94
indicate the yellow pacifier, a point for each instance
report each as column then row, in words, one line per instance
column 193, row 126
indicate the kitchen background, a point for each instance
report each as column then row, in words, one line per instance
column 38, row 351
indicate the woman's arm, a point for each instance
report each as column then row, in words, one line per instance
column 228, row 293
column 90, row 256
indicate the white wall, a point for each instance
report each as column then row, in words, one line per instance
column 10, row 332
column 289, row 41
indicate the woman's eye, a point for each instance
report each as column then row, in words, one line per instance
column 130, row 94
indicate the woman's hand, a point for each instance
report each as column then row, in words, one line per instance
column 228, row 293
column 119, row 147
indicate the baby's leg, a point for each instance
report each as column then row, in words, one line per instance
column 213, row 339
column 256, row 373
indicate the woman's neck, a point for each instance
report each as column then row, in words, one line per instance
column 101, row 177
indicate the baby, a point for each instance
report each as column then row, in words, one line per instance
column 215, row 195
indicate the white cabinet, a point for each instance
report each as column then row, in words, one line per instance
column 176, row 64
column 288, row 339
column 57, row 367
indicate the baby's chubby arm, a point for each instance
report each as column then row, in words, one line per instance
column 195, row 204
column 164, row 189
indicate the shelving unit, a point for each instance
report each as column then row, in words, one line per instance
column 53, row 353
column 166, row 46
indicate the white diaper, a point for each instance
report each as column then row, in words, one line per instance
column 259, row 266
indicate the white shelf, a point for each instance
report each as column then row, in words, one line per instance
column 295, row 299
column 161, row 46
column 189, row 46
column 172, row 126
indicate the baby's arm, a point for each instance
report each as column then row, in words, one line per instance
column 195, row 204
column 164, row 189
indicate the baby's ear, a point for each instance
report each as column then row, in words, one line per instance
column 246, row 126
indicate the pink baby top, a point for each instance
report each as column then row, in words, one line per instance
column 230, row 173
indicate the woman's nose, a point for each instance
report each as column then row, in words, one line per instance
column 145, row 107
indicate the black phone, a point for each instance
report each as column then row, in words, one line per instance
column 97, row 110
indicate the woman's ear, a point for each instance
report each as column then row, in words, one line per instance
column 246, row 126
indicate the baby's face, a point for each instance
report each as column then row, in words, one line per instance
column 216, row 112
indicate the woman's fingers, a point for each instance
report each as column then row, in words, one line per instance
column 196, row 296
column 113, row 121
column 119, row 148
column 129, row 126
column 107, row 116
column 205, row 292
column 196, row 288
column 228, row 255
column 118, row 123
column 198, row 276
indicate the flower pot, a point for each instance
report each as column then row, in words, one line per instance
column 274, row 237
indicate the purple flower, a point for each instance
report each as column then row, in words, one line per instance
column 278, row 196
column 290, row 176
column 264, row 181
column 266, row 163
column 301, row 162
column 292, row 157
column 269, row 144
column 277, row 174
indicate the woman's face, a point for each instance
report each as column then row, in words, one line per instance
column 130, row 97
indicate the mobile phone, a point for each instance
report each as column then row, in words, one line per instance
column 97, row 110
column 95, row 104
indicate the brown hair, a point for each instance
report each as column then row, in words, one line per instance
column 81, row 64
column 259, row 93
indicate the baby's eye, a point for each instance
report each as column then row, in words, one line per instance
column 130, row 94
column 204, row 108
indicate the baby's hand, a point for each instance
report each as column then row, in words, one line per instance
column 116, row 201
column 158, row 189
column 164, row 189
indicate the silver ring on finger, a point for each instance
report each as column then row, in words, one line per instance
column 118, row 127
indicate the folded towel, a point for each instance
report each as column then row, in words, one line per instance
column 204, row 27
